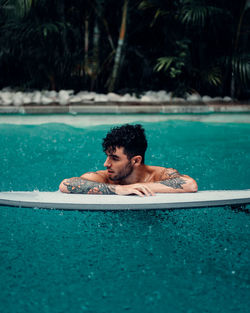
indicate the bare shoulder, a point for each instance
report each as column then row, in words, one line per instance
column 162, row 173
column 170, row 172
column 99, row 176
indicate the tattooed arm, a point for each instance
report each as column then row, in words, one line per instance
column 84, row 186
column 173, row 181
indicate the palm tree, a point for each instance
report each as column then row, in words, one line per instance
column 236, row 61
column 120, row 45
column 209, row 46
column 36, row 37
column 181, row 45
column 240, row 60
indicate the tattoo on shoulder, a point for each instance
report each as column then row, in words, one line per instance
column 84, row 186
column 174, row 173
column 168, row 173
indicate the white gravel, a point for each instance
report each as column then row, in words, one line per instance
column 10, row 97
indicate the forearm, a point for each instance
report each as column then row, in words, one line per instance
column 178, row 184
column 84, row 186
column 182, row 183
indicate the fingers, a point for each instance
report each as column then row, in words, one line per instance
column 137, row 192
column 137, row 189
column 94, row 190
column 149, row 192
column 142, row 191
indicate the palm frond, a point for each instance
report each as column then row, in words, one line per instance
column 143, row 5
column 212, row 76
column 24, row 6
column 241, row 67
column 164, row 63
column 195, row 13
column 15, row 8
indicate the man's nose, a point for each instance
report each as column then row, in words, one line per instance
column 107, row 163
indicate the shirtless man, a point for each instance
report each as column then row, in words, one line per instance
column 126, row 172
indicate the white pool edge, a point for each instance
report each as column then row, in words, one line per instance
column 128, row 108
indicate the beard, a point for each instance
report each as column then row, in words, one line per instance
column 124, row 173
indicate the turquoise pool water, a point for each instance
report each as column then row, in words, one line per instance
column 193, row 260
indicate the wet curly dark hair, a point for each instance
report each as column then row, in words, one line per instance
column 131, row 137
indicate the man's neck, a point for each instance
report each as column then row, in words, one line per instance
column 137, row 176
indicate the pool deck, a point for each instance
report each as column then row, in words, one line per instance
column 130, row 108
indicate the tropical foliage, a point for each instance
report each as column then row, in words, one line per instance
column 126, row 46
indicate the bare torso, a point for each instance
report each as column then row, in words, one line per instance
column 143, row 180
column 146, row 174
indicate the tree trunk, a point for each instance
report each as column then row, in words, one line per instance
column 117, row 61
column 86, row 47
column 235, row 47
column 95, row 61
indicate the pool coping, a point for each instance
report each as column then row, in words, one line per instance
column 129, row 107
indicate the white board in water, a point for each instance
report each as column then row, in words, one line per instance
column 63, row 201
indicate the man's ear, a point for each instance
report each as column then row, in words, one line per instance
column 136, row 160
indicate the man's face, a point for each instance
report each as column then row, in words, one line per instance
column 118, row 165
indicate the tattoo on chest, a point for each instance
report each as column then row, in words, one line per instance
column 175, row 183
column 83, row 186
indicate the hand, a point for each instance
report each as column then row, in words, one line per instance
column 137, row 189
column 95, row 191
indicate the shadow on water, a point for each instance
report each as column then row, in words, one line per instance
column 240, row 208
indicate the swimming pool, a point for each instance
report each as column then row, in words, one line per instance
column 194, row 260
